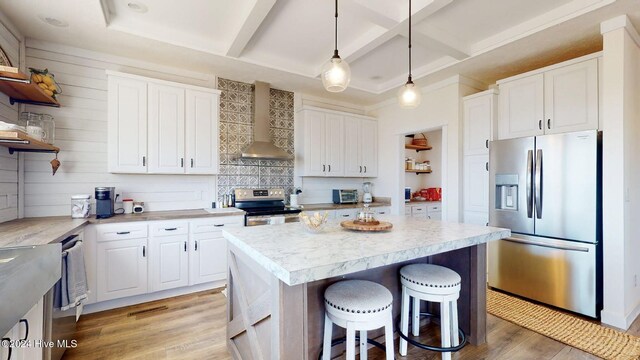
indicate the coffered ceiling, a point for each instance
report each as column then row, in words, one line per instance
column 286, row 42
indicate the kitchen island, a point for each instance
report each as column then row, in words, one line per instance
column 277, row 276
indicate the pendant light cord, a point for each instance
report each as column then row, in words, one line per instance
column 409, row 40
column 335, row 51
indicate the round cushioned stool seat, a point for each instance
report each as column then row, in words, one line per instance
column 357, row 297
column 430, row 278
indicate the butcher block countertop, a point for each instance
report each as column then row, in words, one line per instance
column 47, row 230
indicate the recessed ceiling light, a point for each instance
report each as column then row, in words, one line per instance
column 137, row 7
column 53, row 21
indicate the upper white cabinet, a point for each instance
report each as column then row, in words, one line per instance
column 160, row 127
column 563, row 98
column 335, row 144
column 166, row 129
column 127, row 133
column 479, row 122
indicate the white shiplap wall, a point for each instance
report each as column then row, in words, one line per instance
column 319, row 190
column 81, row 134
column 8, row 113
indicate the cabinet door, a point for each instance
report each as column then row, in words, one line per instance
column 122, row 268
column 434, row 215
column 353, row 166
column 476, row 183
column 382, row 210
column 314, row 144
column 571, row 98
column 202, row 132
column 127, row 133
column 521, row 107
column 478, row 115
column 169, row 262
column 369, row 147
column 419, row 211
column 346, row 214
column 208, row 258
column 35, row 322
column 334, row 144
column 166, row 129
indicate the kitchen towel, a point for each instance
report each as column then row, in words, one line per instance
column 73, row 283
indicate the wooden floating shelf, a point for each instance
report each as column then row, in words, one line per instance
column 417, row 148
column 20, row 89
column 18, row 141
column 419, row 171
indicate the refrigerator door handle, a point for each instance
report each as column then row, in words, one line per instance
column 542, row 244
column 538, row 184
column 529, row 181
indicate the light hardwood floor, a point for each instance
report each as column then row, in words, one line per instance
column 193, row 327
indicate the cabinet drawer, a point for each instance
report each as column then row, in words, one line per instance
column 418, row 210
column 407, row 210
column 382, row 211
column 215, row 224
column 169, row 228
column 434, row 208
column 346, row 214
column 110, row 232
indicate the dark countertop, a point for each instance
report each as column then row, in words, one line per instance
column 332, row 206
column 47, row 230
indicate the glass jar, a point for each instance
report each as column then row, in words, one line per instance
column 26, row 116
column 49, row 128
column 80, row 206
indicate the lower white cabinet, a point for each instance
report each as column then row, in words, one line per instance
column 28, row 330
column 382, row 210
column 121, row 268
column 168, row 262
column 345, row 214
column 208, row 258
column 429, row 210
column 434, row 212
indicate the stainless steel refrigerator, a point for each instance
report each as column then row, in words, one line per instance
column 547, row 190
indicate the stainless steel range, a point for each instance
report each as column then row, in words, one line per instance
column 265, row 207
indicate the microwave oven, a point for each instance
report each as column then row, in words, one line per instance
column 345, row 196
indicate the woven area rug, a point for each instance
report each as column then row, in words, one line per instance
column 578, row 333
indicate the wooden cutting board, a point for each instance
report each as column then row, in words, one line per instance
column 382, row 226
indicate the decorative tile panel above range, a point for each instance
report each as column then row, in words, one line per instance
column 236, row 132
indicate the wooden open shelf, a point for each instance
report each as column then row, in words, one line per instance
column 20, row 89
column 419, row 171
column 417, row 148
column 18, row 141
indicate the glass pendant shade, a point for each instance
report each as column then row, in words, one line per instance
column 336, row 75
column 409, row 96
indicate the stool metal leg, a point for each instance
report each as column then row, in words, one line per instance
column 351, row 342
column 404, row 320
column 445, row 328
column 388, row 337
column 363, row 345
column 326, row 345
column 415, row 321
column 454, row 323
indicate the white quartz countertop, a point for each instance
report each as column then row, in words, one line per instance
column 296, row 256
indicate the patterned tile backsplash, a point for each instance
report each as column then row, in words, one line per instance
column 236, row 132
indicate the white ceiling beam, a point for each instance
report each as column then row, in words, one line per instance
column 256, row 16
column 376, row 16
column 357, row 50
column 439, row 44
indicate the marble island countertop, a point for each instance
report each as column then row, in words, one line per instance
column 296, row 256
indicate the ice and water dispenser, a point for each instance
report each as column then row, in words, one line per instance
column 506, row 192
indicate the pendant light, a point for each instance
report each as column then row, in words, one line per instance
column 409, row 95
column 336, row 73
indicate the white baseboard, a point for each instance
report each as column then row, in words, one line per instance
column 614, row 319
column 139, row 299
column 631, row 317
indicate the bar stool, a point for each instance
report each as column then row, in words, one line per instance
column 358, row 305
column 435, row 284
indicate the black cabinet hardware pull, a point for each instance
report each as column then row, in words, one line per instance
column 144, row 161
column 7, row 340
column 170, row 229
column 191, row 162
column 548, row 123
column 360, row 168
column 144, row 251
column 181, row 162
column 365, row 168
column 26, row 331
column 486, row 143
column 218, row 225
column 196, row 248
column 540, row 124
column 123, row 232
column 329, row 168
column 345, row 215
column 324, row 168
column 185, row 246
column 486, row 165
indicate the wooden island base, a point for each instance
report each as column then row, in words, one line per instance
column 267, row 319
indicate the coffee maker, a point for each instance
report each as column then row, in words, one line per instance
column 105, row 202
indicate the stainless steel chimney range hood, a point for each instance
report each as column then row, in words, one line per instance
column 262, row 146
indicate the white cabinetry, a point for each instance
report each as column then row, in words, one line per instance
column 127, row 130
column 166, row 129
column 434, row 212
column 335, row 144
column 479, row 124
column 429, row 210
column 121, row 266
column 169, row 255
column 28, row 330
column 179, row 121
column 561, row 98
column 208, row 256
